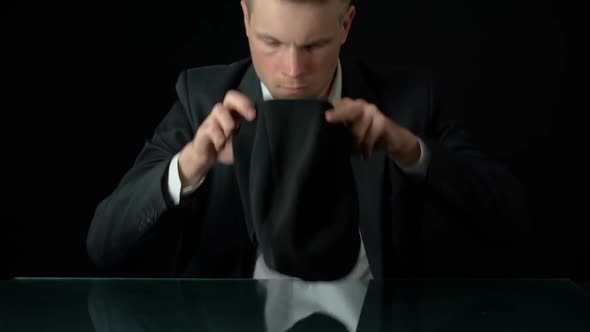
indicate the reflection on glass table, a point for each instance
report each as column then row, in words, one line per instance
column 299, row 306
column 271, row 305
column 37, row 304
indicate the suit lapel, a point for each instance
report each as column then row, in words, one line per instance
column 250, row 85
column 242, row 143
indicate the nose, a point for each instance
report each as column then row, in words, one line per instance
column 293, row 63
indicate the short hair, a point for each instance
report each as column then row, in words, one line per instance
column 346, row 2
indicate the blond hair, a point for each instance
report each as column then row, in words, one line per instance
column 320, row 2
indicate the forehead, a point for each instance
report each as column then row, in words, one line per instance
column 291, row 18
column 312, row 2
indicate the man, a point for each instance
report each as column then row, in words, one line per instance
column 430, row 203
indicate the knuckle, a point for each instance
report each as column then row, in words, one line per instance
column 229, row 95
column 218, row 139
column 209, row 132
column 372, row 109
column 206, row 125
column 218, row 108
column 214, row 131
column 245, row 104
column 228, row 122
column 231, row 125
column 217, row 131
column 359, row 105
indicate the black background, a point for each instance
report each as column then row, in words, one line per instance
column 88, row 82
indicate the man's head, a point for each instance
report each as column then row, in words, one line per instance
column 295, row 44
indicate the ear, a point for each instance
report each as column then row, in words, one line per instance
column 246, row 17
column 346, row 24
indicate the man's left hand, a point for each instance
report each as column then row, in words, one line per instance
column 373, row 130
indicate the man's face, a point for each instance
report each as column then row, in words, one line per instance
column 295, row 46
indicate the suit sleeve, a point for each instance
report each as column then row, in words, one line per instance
column 136, row 211
column 472, row 212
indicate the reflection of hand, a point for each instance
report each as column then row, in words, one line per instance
column 372, row 129
column 294, row 305
column 212, row 142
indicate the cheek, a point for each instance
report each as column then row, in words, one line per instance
column 324, row 60
column 264, row 59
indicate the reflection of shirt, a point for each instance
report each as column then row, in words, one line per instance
column 261, row 270
column 289, row 302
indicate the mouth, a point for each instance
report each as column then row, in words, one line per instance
column 294, row 89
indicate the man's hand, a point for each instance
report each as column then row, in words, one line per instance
column 373, row 130
column 212, row 142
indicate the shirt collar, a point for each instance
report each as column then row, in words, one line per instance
column 335, row 93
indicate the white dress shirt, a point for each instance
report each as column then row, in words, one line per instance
column 362, row 269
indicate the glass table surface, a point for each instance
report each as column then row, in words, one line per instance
column 131, row 304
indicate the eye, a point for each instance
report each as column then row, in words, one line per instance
column 271, row 43
column 314, row 46
column 311, row 47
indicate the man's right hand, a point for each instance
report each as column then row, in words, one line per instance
column 213, row 141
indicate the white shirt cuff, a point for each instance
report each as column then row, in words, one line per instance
column 174, row 186
column 420, row 167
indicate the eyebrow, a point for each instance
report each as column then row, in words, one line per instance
column 319, row 41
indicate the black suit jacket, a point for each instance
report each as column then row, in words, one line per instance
column 465, row 217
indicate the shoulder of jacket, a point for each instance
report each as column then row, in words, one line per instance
column 212, row 77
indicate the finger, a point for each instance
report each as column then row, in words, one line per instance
column 216, row 136
column 376, row 130
column 225, row 120
column 238, row 102
column 373, row 135
column 361, row 127
column 226, row 156
column 346, row 111
column 329, row 114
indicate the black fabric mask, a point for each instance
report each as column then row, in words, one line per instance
column 297, row 187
